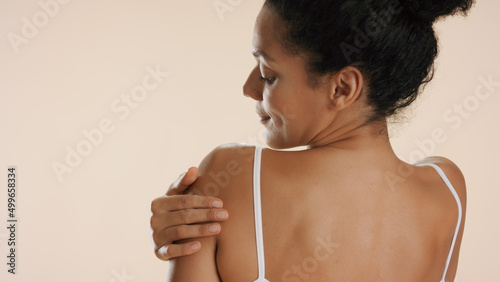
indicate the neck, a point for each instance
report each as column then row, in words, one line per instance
column 359, row 137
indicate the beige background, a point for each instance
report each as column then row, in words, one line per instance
column 94, row 224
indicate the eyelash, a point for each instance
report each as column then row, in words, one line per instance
column 268, row 80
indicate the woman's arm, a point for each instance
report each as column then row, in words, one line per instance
column 200, row 266
column 177, row 214
column 218, row 171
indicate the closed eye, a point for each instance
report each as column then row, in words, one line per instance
column 268, row 80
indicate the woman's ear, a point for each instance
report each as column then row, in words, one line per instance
column 347, row 86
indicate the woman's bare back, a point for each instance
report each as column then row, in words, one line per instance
column 336, row 215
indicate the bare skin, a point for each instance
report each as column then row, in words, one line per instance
column 176, row 216
column 376, row 232
column 345, row 209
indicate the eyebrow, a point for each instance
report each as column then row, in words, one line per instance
column 259, row 53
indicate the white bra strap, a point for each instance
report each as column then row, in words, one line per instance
column 258, row 215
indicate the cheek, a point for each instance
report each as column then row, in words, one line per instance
column 282, row 102
column 282, row 111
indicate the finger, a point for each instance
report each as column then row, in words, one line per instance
column 190, row 176
column 179, row 202
column 167, row 236
column 161, row 221
column 175, row 233
column 190, row 216
column 183, row 182
column 177, row 250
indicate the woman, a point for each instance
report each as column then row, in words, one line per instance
column 328, row 75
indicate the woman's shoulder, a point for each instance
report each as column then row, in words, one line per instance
column 451, row 171
column 224, row 167
column 445, row 200
column 231, row 157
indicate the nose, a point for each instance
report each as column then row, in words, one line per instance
column 253, row 87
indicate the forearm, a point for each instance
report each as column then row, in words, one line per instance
column 200, row 266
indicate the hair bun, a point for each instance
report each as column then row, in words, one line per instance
column 431, row 10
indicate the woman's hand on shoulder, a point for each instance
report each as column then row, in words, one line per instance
column 176, row 216
column 192, row 206
column 219, row 171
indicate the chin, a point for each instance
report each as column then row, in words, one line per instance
column 280, row 144
column 275, row 144
column 276, row 147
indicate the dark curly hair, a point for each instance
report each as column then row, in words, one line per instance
column 391, row 42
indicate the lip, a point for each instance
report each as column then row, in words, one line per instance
column 264, row 118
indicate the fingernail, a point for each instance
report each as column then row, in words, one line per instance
column 214, row 228
column 163, row 251
column 221, row 214
column 195, row 246
column 216, row 204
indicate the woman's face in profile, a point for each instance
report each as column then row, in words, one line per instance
column 292, row 112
